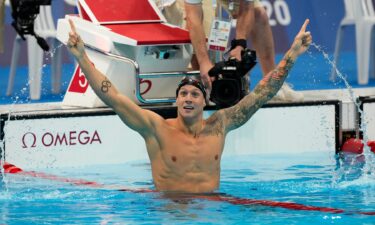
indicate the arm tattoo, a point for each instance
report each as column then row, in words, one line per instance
column 240, row 113
column 215, row 125
column 272, row 82
column 106, row 84
column 286, row 65
column 279, row 74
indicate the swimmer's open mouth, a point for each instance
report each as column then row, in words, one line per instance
column 189, row 107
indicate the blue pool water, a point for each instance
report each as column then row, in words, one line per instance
column 319, row 180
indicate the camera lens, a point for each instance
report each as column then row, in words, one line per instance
column 226, row 92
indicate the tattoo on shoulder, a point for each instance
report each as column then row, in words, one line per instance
column 239, row 114
column 106, row 84
column 214, row 126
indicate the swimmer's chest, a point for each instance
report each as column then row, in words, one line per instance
column 188, row 150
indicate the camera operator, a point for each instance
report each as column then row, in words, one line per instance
column 252, row 21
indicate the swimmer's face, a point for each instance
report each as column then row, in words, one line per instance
column 190, row 101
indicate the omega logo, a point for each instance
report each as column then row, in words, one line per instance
column 49, row 139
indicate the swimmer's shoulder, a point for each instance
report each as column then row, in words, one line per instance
column 216, row 118
column 215, row 122
column 171, row 122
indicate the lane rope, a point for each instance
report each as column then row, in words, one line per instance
column 12, row 169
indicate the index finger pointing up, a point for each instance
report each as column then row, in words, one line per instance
column 303, row 28
column 72, row 26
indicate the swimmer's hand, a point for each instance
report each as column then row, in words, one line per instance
column 302, row 40
column 75, row 43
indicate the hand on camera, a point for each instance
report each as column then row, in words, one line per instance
column 206, row 79
column 236, row 53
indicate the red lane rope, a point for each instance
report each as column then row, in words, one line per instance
column 285, row 205
column 12, row 169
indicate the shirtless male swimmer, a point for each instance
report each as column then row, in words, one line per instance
column 185, row 152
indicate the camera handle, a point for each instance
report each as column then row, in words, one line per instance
column 42, row 42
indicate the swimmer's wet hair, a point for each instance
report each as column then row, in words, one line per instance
column 191, row 81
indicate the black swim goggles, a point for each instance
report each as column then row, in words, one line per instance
column 191, row 81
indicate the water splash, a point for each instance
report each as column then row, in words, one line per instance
column 52, row 52
column 367, row 170
column 339, row 74
column 19, row 98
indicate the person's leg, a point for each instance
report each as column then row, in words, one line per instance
column 262, row 40
column 208, row 15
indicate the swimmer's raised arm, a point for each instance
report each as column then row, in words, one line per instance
column 240, row 113
column 138, row 119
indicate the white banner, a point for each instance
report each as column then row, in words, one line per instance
column 94, row 140
column 285, row 129
column 75, row 141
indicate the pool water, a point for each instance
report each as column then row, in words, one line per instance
column 288, row 184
